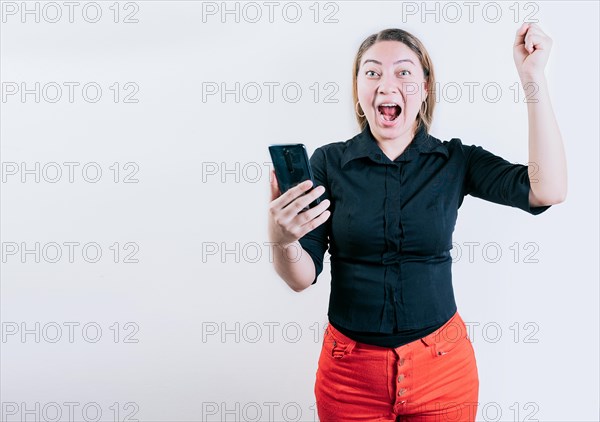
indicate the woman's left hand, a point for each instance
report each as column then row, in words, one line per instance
column 531, row 50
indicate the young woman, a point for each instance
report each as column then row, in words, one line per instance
column 395, row 345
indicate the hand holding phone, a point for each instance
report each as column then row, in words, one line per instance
column 286, row 223
column 290, row 213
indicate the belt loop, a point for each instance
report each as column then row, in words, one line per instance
column 428, row 340
column 350, row 347
column 335, row 352
column 338, row 352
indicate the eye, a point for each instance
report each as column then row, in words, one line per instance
column 405, row 74
column 370, row 72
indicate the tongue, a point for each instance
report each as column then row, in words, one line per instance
column 388, row 111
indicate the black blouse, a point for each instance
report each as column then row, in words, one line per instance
column 390, row 230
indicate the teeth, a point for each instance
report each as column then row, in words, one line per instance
column 388, row 105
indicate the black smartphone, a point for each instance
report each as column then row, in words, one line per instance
column 292, row 167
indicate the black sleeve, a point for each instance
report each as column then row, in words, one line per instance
column 315, row 242
column 494, row 179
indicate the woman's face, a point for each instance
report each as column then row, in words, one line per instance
column 390, row 74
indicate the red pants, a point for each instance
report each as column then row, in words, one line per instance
column 431, row 379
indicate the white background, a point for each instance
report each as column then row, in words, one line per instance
column 199, row 235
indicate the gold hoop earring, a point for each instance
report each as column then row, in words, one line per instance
column 356, row 109
column 424, row 112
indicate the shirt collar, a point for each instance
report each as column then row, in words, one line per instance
column 365, row 145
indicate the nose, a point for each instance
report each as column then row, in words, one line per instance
column 387, row 86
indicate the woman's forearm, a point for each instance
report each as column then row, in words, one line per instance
column 294, row 265
column 548, row 174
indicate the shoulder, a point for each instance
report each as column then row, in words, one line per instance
column 454, row 146
column 472, row 155
column 332, row 148
column 451, row 143
column 339, row 147
column 332, row 153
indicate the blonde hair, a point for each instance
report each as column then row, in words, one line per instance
column 425, row 115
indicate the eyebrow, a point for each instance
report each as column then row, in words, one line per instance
column 396, row 62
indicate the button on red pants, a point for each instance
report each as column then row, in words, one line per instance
column 431, row 379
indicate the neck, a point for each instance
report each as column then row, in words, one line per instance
column 394, row 147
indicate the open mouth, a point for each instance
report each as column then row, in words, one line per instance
column 390, row 111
